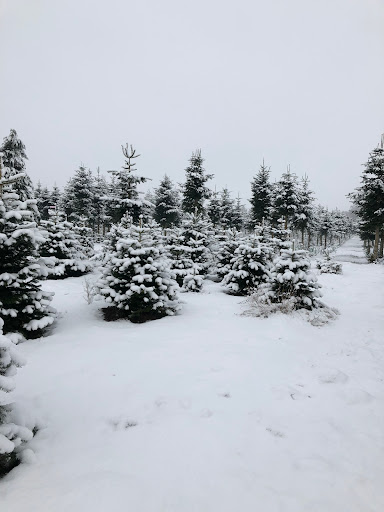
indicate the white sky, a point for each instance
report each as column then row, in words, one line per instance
column 291, row 81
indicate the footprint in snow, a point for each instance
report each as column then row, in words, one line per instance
column 275, row 433
column 333, row 377
column 122, row 424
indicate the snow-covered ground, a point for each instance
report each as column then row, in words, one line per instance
column 209, row 410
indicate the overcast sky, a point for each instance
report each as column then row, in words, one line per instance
column 297, row 82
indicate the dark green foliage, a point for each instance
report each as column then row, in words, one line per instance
column 167, row 204
column 261, row 200
column 194, row 190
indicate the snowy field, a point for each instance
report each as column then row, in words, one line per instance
column 208, row 411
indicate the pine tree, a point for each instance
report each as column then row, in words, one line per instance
column 286, row 197
column 167, row 204
column 125, row 197
column 78, row 198
column 14, row 157
column 292, row 279
column 24, row 307
column 369, row 197
column 179, row 256
column 137, row 282
column 213, row 209
column 250, row 268
column 43, row 201
column 194, row 190
column 101, row 218
column 196, row 231
column 12, row 436
column 261, row 200
column 304, row 210
column 226, row 209
column 62, row 250
column 238, row 219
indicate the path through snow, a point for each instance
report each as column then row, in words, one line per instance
column 208, row 411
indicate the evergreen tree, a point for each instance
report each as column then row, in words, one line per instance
column 194, row 190
column 304, row 210
column 238, row 219
column 24, row 307
column 124, row 196
column 137, row 282
column 196, row 231
column 167, row 204
column 179, row 256
column 14, row 157
column 286, row 197
column 261, row 200
column 43, row 201
column 369, row 197
column 101, row 218
column 55, row 196
column 250, row 268
column 292, row 279
column 213, row 209
column 11, row 435
column 78, row 198
column 226, row 209
column 62, row 251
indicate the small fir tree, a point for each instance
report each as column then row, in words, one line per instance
column 137, row 282
column 286, row 198
column 250, row 268
column 14, row 156
column 124, row 197
column 261, row 200
column 12, row 436
column 292, row 279
column 24, row 306
column 195, row 191
column 62, row 250
column 167, row 204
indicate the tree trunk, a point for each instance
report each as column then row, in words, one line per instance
column 325, row 241
column 381, row 250
column 376, row 246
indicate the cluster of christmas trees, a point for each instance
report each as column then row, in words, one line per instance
column 98, row 203
column 369, row 203
column 155, row 247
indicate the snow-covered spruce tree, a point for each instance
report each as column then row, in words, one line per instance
column 196, row 232
column 62, row 251
column 292, row 280
column 24, row 306
column 78, row 199
column 304, row 212
column 226, row 209
column 226, row 253
column 12, row 436
column 167, row 204
column 124, row 196
column 250, row 268
column 85, row 238
column 178, row 254
column 238, row 220
column 261, row 200
column 369, row 198
column 137, row 282
column 286, row 198
column 213, row 209
column 14, row 156
column 43, row 201
column 195, row 191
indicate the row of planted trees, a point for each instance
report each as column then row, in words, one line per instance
column 144, row 264
column 98, row 203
